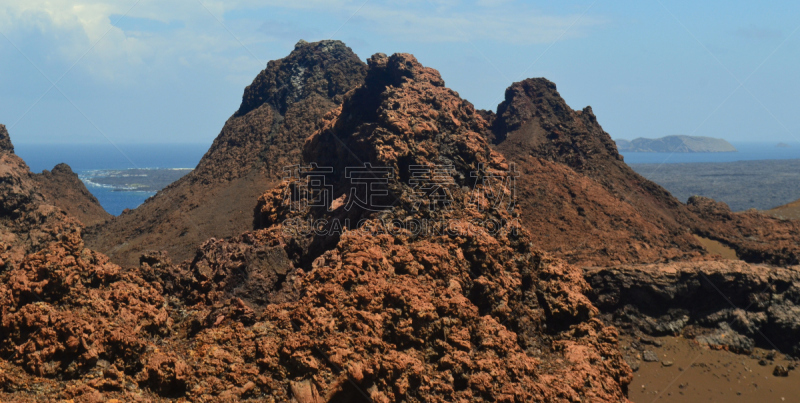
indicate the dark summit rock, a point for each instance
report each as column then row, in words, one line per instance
column 325, row 69
column 5, row 140
column 606, row 212
column 534, row 115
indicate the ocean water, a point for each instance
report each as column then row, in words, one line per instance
column 84, row 158
column 747, row 151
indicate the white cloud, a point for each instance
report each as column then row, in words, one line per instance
column 71, row 28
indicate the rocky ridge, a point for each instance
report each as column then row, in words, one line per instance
column 278, row 111
column 373, row 310
column 271, row 315
column 33, row 207
column 577, row 192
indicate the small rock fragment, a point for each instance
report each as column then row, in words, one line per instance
column 780, row 370
column 649, row 356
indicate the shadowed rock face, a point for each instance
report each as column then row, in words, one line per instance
column 278, row 111
column 727, row 304
column 5, row 140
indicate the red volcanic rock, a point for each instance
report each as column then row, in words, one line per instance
column 414, row 295
column 279, row 110
column 756, row 237
column 68, row 313
column 573, row 217
column 27, row 222
column 582, row 203
column 467, row 315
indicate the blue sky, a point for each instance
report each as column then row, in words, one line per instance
column 150, row 71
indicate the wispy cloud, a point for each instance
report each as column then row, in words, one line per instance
column 156, row 33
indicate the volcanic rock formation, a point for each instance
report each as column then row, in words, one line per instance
column 387, row 266
column 576, row 194
column 278, row 111
column 62, row 188
column 463, row 313
column 384, row 313
column 32, row 206
column 726, row 304
column 601, row 212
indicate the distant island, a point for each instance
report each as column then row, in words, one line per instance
column 133, row 180
column 676, row 144
column 783, row 145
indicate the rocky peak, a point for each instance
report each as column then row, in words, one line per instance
column 5, row 140
column 403, row 115
column 325, row 68
column 279, row 110
column 535, row 118
column 400, row 68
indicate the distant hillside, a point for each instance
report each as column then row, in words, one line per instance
column 676, row 144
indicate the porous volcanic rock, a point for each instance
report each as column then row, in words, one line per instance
column 382, row 313
column 76, row 324
column 728, row 304
column 278, row 111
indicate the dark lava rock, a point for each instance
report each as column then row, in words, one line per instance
column 649, row 356
column 5, row 140
column 698, row 295
column 632, row 362
column 651, row 341
column 780, row 370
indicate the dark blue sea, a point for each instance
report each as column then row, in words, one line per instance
column 84, row 158
column 93, row 157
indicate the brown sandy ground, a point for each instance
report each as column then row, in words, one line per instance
column 688, row 372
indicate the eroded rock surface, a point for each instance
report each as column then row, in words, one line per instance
column 725, row 304
column 485, row 304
